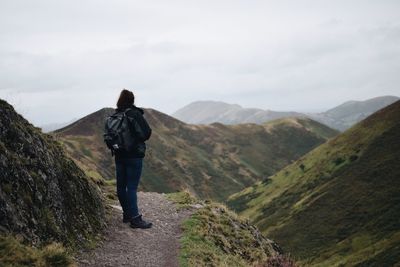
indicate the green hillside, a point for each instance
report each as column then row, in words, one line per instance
column 215, row 236
column 338, row 205
column 209, row 160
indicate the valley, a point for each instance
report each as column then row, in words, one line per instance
column 199, row 158
column 339, row 203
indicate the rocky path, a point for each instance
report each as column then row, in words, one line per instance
column 124, row 246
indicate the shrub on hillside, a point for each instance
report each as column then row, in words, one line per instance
column 279, row 261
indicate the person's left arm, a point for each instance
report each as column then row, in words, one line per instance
column 141, row 127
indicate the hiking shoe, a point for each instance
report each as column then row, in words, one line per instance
column 126, row 218
column 138, row 222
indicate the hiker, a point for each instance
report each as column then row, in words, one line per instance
column 129, row 150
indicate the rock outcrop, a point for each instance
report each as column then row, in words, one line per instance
column 44, row 196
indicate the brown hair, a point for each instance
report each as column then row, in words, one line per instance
column 126, row 99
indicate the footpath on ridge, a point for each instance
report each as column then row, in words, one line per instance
column 124, row 246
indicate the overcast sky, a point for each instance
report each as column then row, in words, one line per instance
column 64, row 59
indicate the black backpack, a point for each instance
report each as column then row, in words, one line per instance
column 118, row 134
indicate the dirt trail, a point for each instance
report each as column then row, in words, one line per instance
column 124, row 246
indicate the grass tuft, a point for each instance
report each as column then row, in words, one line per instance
column 14, row 253
column 182, row 199
column 55, row 255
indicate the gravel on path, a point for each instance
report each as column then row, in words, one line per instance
column 124, row 246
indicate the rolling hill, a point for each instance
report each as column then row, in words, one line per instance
column 201, row 158
column 339, row 205
column 341, row 117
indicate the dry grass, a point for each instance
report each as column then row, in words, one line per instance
column 13, row 253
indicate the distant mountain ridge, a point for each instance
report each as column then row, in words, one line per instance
column 206, row 112
column 339, row 204
column 341, row 117
column 200, row 158
column 347, row 114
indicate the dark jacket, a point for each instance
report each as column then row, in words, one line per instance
column 141, row 130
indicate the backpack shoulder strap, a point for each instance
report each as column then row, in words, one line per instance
column 131, row 115
column 127, row 110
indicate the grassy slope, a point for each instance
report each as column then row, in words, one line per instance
column 202, row 159
column 215, row 236
column 340, row 203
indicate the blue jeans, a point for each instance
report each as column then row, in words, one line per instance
column 129, row 171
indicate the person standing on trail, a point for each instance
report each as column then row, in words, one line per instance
column 126, row 133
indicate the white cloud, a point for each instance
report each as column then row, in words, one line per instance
column 71, row 57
